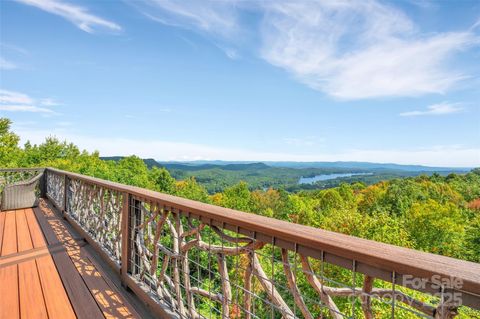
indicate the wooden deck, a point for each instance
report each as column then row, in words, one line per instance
column 48, row 272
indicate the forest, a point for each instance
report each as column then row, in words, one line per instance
column 216, row 176
column 437, row 214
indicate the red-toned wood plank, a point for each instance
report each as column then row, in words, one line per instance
column 2, row 224
column 9, row 302
column 41, row 218
column 35, row 232
column 32, row 304
column 107, row 296
column 56, row 299
column 108, row 299
column 83, row 302
column 24, row 241
column 9, row 244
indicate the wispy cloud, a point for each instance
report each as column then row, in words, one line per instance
column 7, row 65
column 357, row 50
column 436, row 109
column 20, row 102
column 49, row 102
column 13, row 48
column 14, row 97
column 10, row 50
column 348, row 49
column 475, row 25
column 75, row 14
column 218, row 19
column 214, row 17
column 25, row 108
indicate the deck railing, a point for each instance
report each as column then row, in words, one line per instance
column 187, row 259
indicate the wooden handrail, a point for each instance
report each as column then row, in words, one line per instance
column 381, row 256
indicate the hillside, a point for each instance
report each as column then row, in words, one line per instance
column 217, row 175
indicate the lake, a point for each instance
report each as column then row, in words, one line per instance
column 326, row 177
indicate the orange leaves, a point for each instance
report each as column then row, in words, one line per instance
column 474, row 204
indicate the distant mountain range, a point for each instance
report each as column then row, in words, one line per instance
column 241, row 165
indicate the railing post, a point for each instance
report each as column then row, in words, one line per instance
column 136, row 220
column 126, row 239
column 65, row 193
column 43, row 184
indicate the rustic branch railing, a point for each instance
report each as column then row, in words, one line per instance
column 192, row 260
column 99, row 211
column 55, row 185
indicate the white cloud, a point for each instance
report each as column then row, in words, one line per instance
column 7, row 65
column 19, row 102
column 75, row 14
column 219, row 19
column 25, row 108
column 215, row 17
column 347, row 49
column 475, row 25
column 357, row 50
column 13, row 48
column 14, row 97
column 436, row 109
column 49, row 102
column 451, row 156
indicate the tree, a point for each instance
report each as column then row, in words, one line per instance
column 9, row 150
column 49, row 153
column 436, row 228
column 472, row 239
column 162, row 180
column 190, row 189
column 272, row 202
column 238, row 197
column 402, row 193
column 302, row 210
column 370, row 199
column 330, row 199
column 348, row 195
column 133, row 171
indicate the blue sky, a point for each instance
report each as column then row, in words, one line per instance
column 374, row 81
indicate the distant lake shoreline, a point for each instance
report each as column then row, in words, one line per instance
column 326, row 177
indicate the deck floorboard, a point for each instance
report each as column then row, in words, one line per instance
column 10, row 302
column 45, row 272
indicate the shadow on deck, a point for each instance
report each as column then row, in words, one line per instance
column 48, row 271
